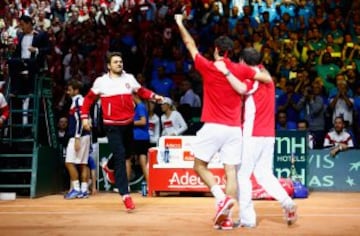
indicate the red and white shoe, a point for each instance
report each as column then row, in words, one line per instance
column 226, row 224
column 290, row 215
column 128, row 202
column 223, row 210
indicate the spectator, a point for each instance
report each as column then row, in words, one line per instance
column 233, row 18
column 312, row 106
column 287, row 102
column 306, row 10
column 338, row 139
column 282, row 123
column 342, row 104
column 41, row 22
column 72, row 61
column 63, row 138
column 188, row 95
column 162, row 84
column 303, row 125
column 141, row 142
column 327, row 70
column 268, row 6
column 58, row 9
column 62, row 126
column 337, row 35
column 28, row 57
column 172, row 122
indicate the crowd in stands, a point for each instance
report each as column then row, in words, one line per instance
column 311, row 48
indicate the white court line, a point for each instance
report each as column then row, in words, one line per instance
column 158, row 213
column 264, row 205
column 178, row 206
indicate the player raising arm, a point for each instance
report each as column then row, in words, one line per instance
column 221, row 131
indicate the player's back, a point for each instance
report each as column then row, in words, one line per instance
column 259, row 117
column 221, row 103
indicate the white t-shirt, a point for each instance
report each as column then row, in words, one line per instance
column 341, row 109
column 174, row 124
column 26, row 42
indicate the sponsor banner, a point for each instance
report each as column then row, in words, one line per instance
column 182, row 179
column 177, row 177
column 339, row 173
column 290, row 155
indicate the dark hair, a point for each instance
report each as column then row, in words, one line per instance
column 251, row 56
column 224, row 45
column 341, row 117
column 111, row 55
column 303, row 121
column 281, row 112
column 27, row 19
column 75, row 84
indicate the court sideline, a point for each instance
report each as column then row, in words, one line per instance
column 103, row 214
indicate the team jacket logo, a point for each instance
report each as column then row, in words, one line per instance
column 168, row 124
column 151, row 126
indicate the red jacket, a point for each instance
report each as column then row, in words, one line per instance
column 116, row 98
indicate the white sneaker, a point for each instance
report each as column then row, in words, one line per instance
column 290, row 215
column 239, row 224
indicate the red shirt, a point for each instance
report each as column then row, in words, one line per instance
column 259, row 115
column 222, row 104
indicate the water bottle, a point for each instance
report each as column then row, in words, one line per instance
column 166, row 155
column 143, row 188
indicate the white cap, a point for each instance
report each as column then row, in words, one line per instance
column 167, row 100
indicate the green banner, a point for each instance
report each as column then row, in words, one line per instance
column 291, row 148
column 339, row 173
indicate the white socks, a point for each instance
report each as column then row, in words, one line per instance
column 218, row 193
column 76, row 185
column 84, row 187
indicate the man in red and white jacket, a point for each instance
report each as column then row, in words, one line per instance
column 338, row 139
column 116, row 90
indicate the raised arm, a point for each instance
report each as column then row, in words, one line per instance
column 185, row 35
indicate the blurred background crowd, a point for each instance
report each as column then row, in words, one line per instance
column 311, row 48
